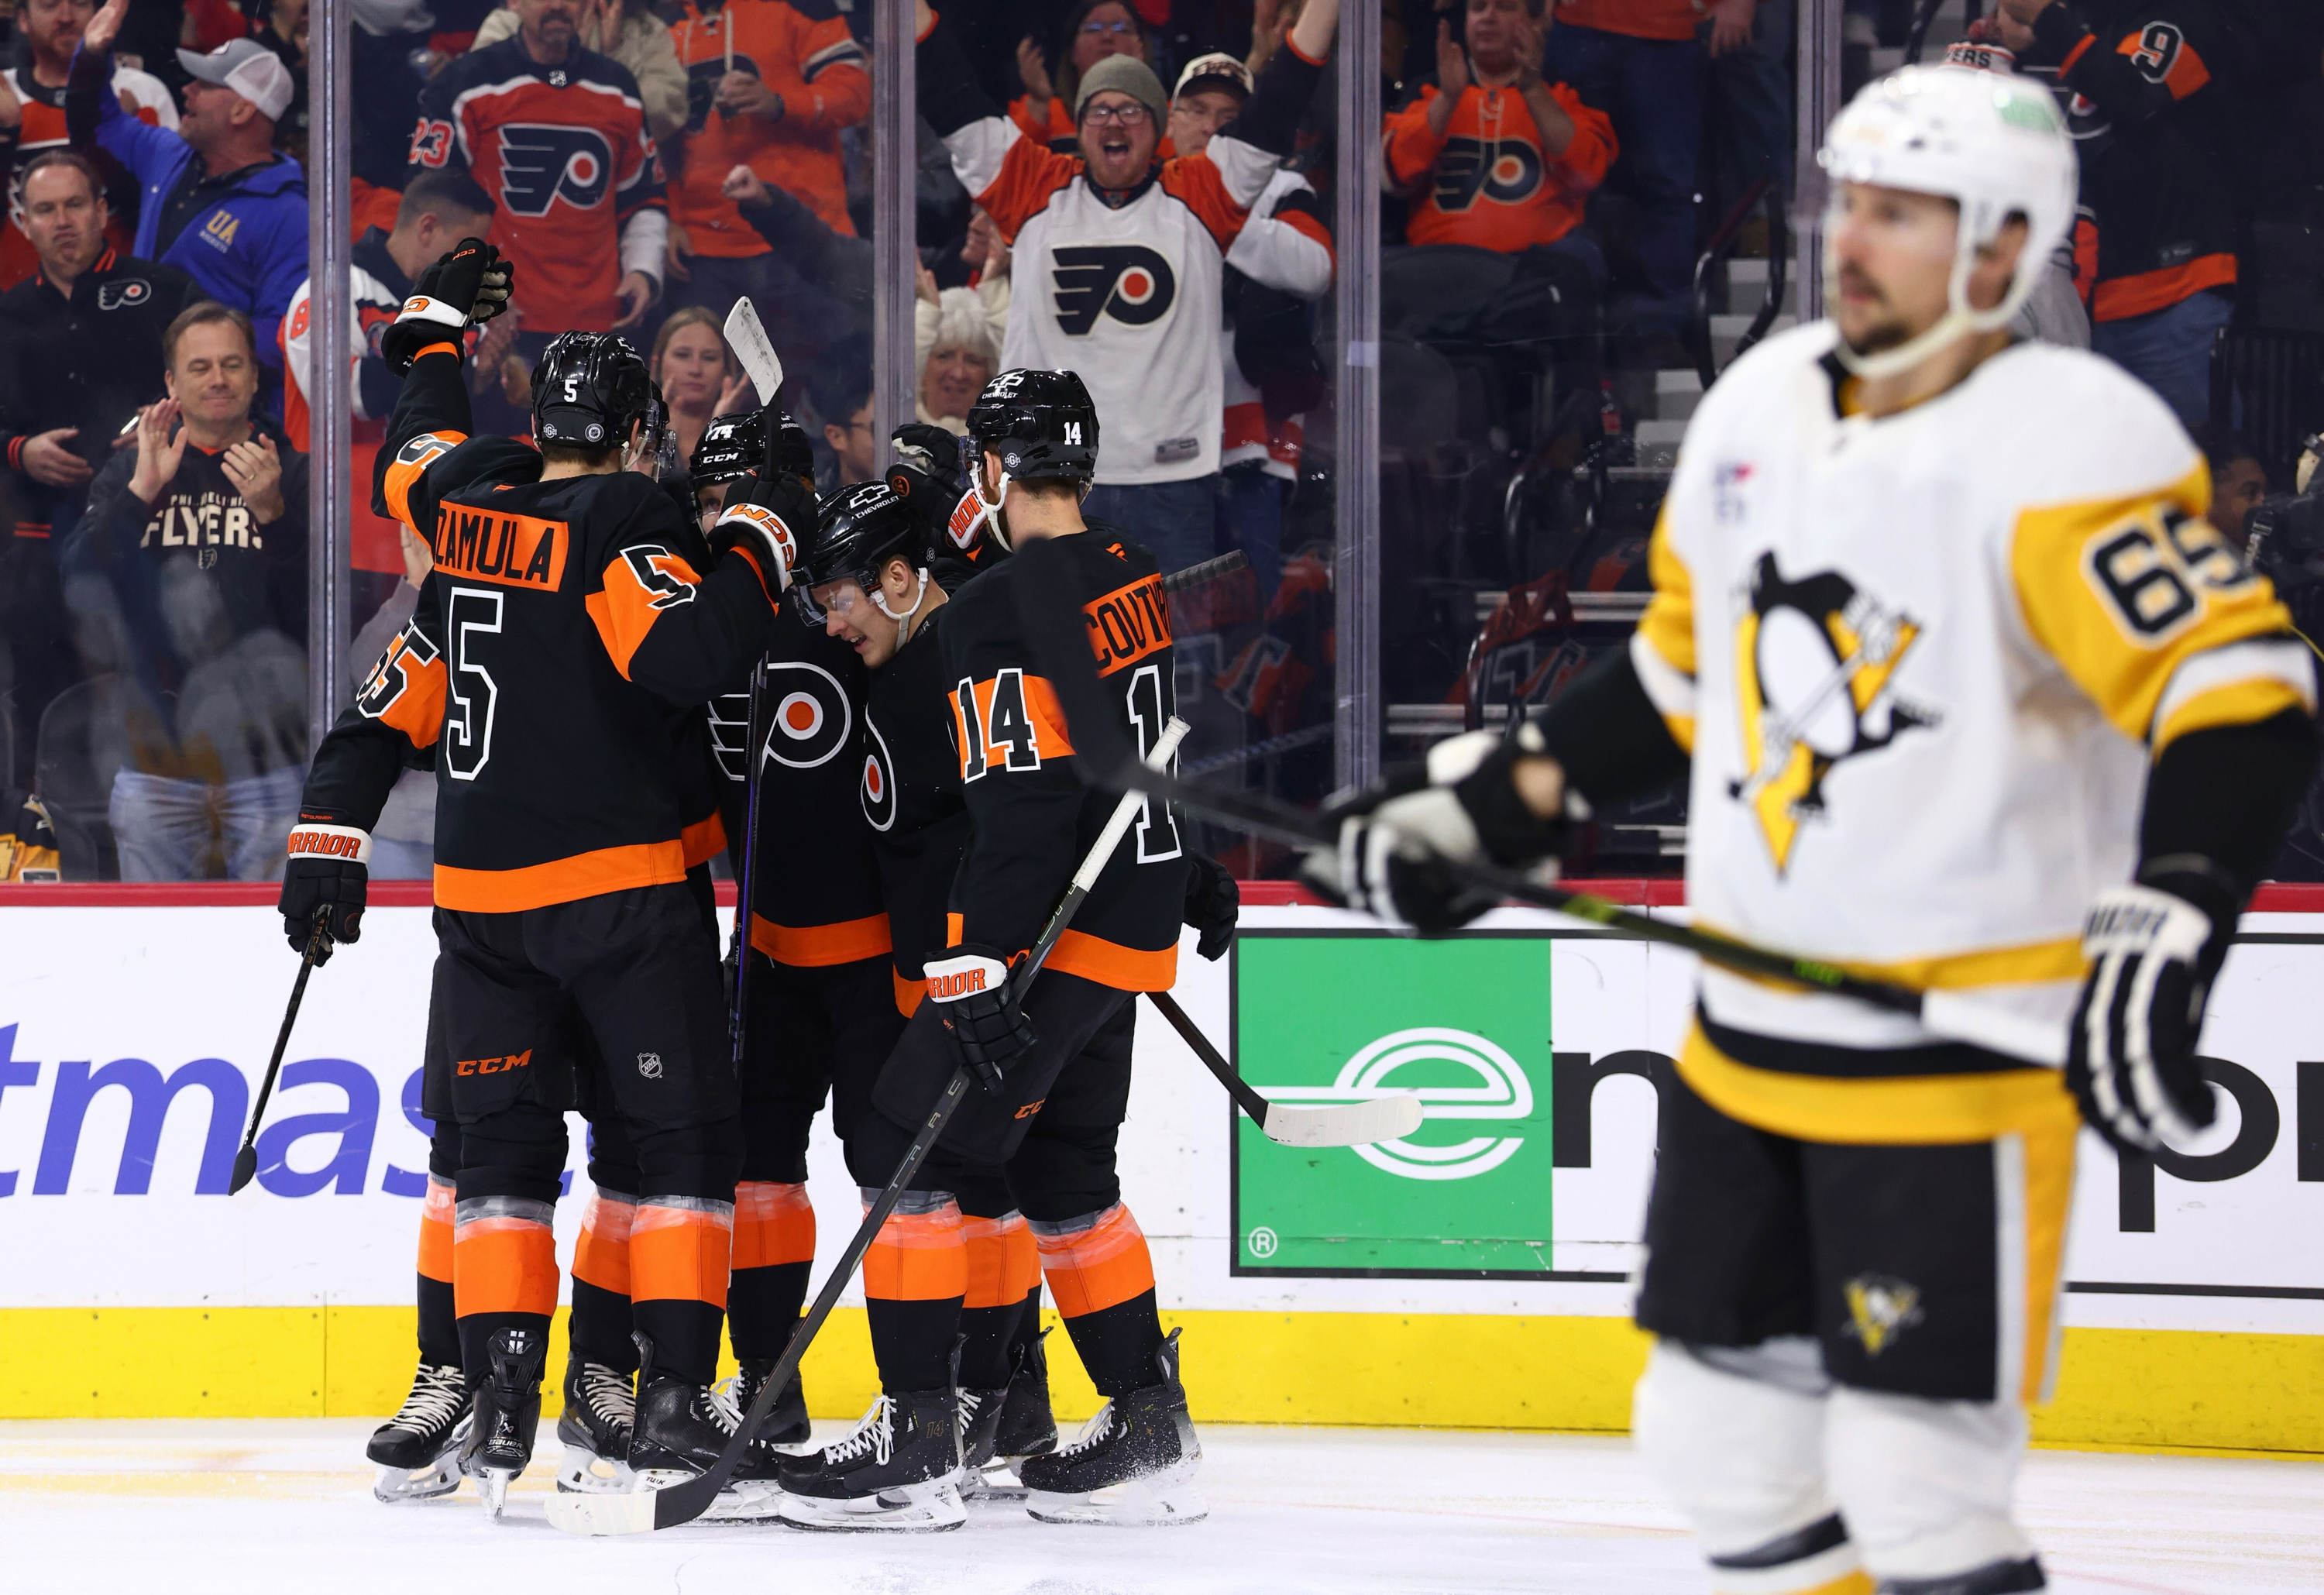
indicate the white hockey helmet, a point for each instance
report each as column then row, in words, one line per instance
column 1993, row 142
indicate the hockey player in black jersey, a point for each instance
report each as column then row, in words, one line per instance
column 558, row 643
column 1057, row 1072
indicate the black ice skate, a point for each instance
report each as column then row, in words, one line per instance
column 601, row 1409
column 419, row 1448
column 508, row 1413
column 680, row 1430
column 1001, row 1428
column 898, row 1471
column 786, row 1427
column 1132, row 1463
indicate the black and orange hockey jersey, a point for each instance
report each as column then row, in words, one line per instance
column 800, row 49
column 913, row 797
column 550, row 669
column 1034, row 819
column 1487, row 181
column 564, row 153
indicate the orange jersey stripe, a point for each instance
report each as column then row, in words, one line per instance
column 436, row 1232
column 909, row 995
column 2120, row 297
column 560, row 881
column 507, row 550
column 503, row 1265
column 918, row 1256
column 1098, row 1267
column 1202, row 188
column 681, row 1253
column 703, row 841
column 411, row 461
column 774, row 1223
column 600, row 1257
column 1110, row 963
column 1127, row 624
column 638, row 586
column 406, row 689
column 818, row 946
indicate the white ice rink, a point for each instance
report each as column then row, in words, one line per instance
column 191, row 1507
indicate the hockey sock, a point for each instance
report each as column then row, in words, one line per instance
column 503, row 1272
column 774, row 1249
column 915, row 1276
column 1003, row 1266
column 680, row 1248
column 601, row 1322
column 440, row 1321
column 1102, row 1278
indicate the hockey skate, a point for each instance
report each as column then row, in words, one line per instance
column 1001, row 1428
column 680, row 1430
column 600, row 1412
column 898, row 1471
column 787, row 1428
column 419, row 1448
column 1132, row 1463
column 507, row 1414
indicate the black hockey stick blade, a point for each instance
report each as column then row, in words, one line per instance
column 1340, row 1124
column 246, row 1160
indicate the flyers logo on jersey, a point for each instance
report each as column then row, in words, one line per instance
column 512, row 550
column 1128, row 282
column 1505, row 171
column 1128, row 623
column 135, row 291
column 879, row 791
column 1815, row 660
column 543, row 162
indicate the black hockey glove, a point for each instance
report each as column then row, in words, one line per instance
column 1213, row 901
column 971, row 985
column 328, row 873
column 2153, row 949
column 1398, row 837
column 769, row 518
column 467, row 286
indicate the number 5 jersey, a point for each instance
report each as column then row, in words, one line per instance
column 548, row 669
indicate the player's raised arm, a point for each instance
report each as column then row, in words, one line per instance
column 426, row 345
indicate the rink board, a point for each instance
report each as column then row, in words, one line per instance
column 1473, row 1276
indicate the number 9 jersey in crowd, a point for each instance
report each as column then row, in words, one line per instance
column 548, row 665
column 1922, row 663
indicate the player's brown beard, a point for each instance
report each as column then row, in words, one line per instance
column 1888, row 334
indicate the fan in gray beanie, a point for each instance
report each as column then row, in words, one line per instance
column 1124, row 74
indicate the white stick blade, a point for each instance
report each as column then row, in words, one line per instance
column 586, row 1514
column 1959, row 1017
column 747, row 336
column 1352, row 1124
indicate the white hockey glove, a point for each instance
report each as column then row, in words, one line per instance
column 767, row 517
column 1397, row 838
column 2131, row 1059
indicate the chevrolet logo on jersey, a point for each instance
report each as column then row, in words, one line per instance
column 1128, row 282
column 543, row 162
column 1814, row 660
column 1504, row 171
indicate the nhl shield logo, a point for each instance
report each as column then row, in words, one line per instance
column 650, row 1065
column 1880, row 1309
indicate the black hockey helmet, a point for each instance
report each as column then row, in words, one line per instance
column 1041, row 423
column 858, row 529
column 735, row 445
column 588, row 390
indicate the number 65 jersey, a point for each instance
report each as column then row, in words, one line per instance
column 1922, row 664
column 546, row 669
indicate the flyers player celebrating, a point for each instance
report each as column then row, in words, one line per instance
column 1954, row 666
column 547, row 668
column 1057, row 1070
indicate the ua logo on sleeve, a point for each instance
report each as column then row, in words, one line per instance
column 1128, row 282
column 542, row 162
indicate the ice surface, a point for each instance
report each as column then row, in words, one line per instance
column 237, row 1507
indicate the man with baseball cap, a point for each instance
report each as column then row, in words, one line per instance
column 220, row 202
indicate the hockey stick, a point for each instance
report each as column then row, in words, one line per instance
column 747, row 336
column 1348, row 1124
column 1208, row 570
column 246, row 1161
column 1051, row 616
column 738, row 1017
column 589, row 1514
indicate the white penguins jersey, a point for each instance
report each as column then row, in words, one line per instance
column 1922, row 662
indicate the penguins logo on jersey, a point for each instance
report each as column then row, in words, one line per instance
column 1128, row 282
column 878, row 791
column 812, row 721
column 542, row 162
column 1815, row 659
column 1505, row 171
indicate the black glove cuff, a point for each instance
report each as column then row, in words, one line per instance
column 1511, row 833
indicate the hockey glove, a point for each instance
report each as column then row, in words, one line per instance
column 1399, row 838
column 767, row 518
column 971, row 985
column 926, row 473
column 1213, row 901
column 2131, row 1053
column 468, row 286
column 328, row 874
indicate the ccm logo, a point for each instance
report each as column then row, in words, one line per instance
column 945, row 988
column 324, row 844
column 493, row 1065
column 1029, row 1109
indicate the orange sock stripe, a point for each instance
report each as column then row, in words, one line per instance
column 436, row 1231
column 600, row 1257
column 1098, row 1267
column 1022, row 1276
column 774, row 1222
column 681, row 1253
column 918, row 1256
column 503, row 1265
column 991, row 1256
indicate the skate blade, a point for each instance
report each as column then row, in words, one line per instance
column 1160, row 1501
column 492, row 1487
column 996, row 1480
column 917, row 1508
column 396, row 1485
column 584, row 1472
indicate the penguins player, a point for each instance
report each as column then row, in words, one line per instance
column 1969, row 696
